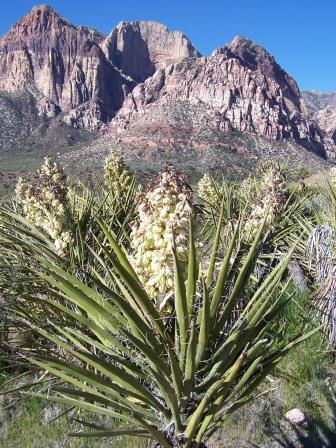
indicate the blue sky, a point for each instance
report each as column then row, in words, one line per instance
column 301, row 34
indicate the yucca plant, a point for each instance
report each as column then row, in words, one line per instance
column 173, row 379
column 21, row 238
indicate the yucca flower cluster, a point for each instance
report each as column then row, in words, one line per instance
column 45, row 204
column 116, row 174
column 207, row 190
column 271, row 197
column 164, row 213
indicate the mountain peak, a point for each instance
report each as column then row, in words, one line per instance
column 242, row 40
column 42, row 7
column 143, row 23
column 149, row 27
column 40, row 18
column 246, row 49
column 140, row 48
column 256, row 58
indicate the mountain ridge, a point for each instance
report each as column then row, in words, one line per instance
column 145, row 85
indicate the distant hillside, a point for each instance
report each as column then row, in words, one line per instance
column 322, row 107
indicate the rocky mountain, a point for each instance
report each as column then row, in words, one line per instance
column 254, row 57
column 150, row 93
column 322, row 107
column 76, row 71
column 240, row 87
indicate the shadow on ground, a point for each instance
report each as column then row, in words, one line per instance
column 318, row 432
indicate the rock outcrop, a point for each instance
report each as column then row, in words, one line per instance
column 63, row 65
column 140, row 48
column 240, row 87
column 256, row 58
column 322, row 107
column 316, row 100
column 326, row 118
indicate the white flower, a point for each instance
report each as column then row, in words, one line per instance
column 116, row 174
column 271, row 199
column 207, row 189
column 45, row 204
column 164, row 213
